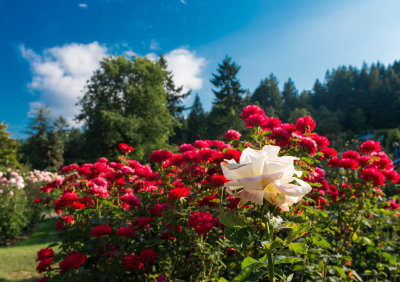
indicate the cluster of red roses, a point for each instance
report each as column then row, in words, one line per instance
column 126, row 206
column 86, row 186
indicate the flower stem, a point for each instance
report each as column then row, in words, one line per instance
column 271, row 271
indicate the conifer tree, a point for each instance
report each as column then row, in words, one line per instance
column 290, row 99
column 44, row 147
column 196, row 122
column 228, row 102
column 268, row 97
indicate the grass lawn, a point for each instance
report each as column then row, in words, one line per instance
column 17, row 263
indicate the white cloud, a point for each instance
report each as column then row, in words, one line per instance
column 183, row 1
column 154, row 45
column 82, row 5
column 60, row 73
column 151, row 56
column 130, row 53
column 186, row 68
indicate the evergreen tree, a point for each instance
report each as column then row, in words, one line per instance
column 290, row 99
column 44, row 147
column 74, row 147
column 126, row 101
column 228, row 103
column 196, row 122
column 8, row 148
column 268, row 97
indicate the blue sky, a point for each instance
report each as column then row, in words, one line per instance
column 48, row 49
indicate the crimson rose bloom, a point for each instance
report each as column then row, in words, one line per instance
column 44, row 264
column 148, row 257
column 160, row 155
column 374, row 175
column 74, row 260
column 370, row 146
column 101, row 230
column 201, row 222
column 144, row 221
column 133, row 262
column 125, row 148
column 178, row 192
column 44, row 254
column 232, row 134
column 251, row 110
column 126, row 232
column 255, row 120
column 305, row 124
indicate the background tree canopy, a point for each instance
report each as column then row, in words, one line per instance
column 126, row 101
column 8, row 148
column 135, row 101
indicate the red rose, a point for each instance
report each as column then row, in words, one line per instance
column 160, row 156
column 201, row 222
column 251, row 110
column 232, row 134
column 178, row 192
column 101, row 230
column 126, row 232
column 133, row 262
column 73, row 261
column 148, row 257
column 370, row 146
column 44, row 265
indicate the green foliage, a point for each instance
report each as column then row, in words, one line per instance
column 126, row 101
column 297, row 113
column 8, row 148
column 289, row 99
column 196, row 124
column 44, row 147
column 229, row 100
column 17, row 210
column 14, row 214
column 267, row 95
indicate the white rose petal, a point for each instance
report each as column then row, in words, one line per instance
column 261, row 174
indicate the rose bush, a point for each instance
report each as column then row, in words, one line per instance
column 224, row 211
column 19, row 207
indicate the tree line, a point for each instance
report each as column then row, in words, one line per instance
column 135, row 101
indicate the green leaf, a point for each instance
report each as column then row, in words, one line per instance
column 284, row 259
column 256, row 275
column 250, row 270
column 240, row 236
column 320, row 242
column 391, row 259
column 222, row 279
column 248, row 261
column 298, row 231
column 299, row 267
column 231, row 220
column 299, row 248
column 340, row 271
column 368, row 241
column 271, row 245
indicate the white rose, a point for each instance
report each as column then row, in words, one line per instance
column 262, row 174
